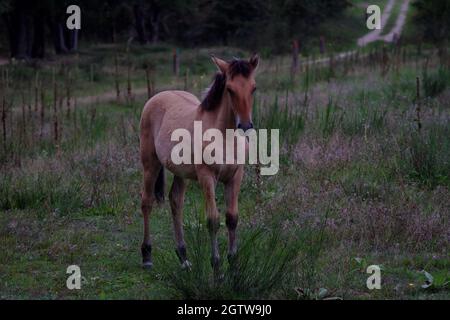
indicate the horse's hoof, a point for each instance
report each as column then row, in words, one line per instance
column 186, row 265
column 147, row 265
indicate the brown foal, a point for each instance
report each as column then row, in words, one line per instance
column 227, row 105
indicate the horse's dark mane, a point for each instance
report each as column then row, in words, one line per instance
column 215, row 92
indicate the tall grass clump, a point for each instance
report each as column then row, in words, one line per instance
column 424, row 156
column 329, row 118
column 308, row 281
column 435, row 82
column 40, row 192
column 286, row 118
column 264, row 267
column 366, row 118
column 400, row 88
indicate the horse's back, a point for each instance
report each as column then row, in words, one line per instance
column 167, row 106
column 172, row 98
column 162, row 114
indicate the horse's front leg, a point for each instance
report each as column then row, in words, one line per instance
column 208, row 184
column 232, row 188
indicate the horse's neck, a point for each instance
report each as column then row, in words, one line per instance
column 225, row 118
column 222, row 117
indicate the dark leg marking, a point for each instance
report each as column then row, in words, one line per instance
column 231, row 221
column 181, row 253
column 146, row 251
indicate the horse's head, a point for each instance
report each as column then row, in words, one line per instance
column 239, row 88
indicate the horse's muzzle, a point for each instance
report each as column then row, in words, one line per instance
column 245, row 126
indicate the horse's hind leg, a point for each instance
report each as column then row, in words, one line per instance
column 152, row 168
column 176, row 197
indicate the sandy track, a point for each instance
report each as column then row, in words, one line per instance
column 375, row 34
column 396, row 31
column 401, row 20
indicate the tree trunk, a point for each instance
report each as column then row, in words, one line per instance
column 155, row 20
column 113, row 34
column 38, row 47
column 155, row 28
column 29, row 36
column 11, row 35
column 73, row 40
column 17, row 25
column 26, row 31
column 139, row 24
column 59, row 39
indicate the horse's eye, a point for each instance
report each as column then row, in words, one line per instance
column 231, row 92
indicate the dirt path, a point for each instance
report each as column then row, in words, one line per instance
column 375, row 34
column 396, row 31
column 401, row 20
column 370, row 37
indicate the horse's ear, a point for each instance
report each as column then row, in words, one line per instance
column 222, row 65
column 254, row 61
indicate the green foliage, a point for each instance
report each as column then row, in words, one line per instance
column 287, row 119
column 433, row 18
column 364, row 181
column 329, row 118
column 424, row 156
column 247, row 23
column 366, row 118
column 5, row 6
column 263, row 268
column 40, row 192
column 309, row 278
column 436, row 82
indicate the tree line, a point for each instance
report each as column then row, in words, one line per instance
column 32, row 27
column 433, row 20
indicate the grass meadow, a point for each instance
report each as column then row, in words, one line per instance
column 364, row 179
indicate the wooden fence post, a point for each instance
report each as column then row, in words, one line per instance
column 418, row 105
column 129, row 89
column 42, row 112
column 4, row 119
column 176, row 62
column 116, row 78
column 68, row 91
column 36, row 92
column 55, row 111
column 186, row 80
column 149, row 78
column 322, row 45
column 295, row 52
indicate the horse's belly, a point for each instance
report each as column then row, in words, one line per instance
column 225, row 172
column 186, row 171
column 222, row 171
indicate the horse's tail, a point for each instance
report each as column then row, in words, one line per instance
column 159, row 186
